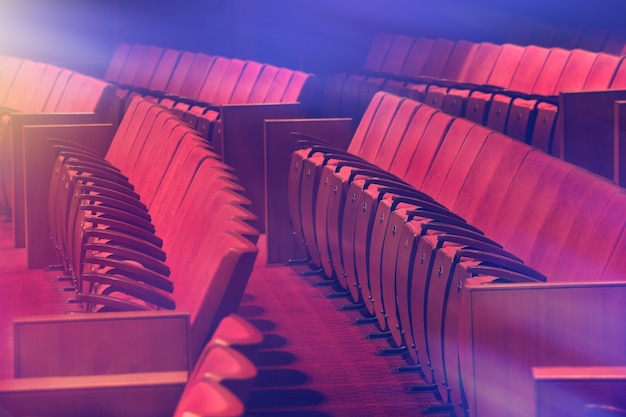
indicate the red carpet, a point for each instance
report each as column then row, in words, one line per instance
column 334, row 369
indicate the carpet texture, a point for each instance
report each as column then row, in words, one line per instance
column 324, row 365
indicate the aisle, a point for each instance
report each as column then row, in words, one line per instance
column 318, row 363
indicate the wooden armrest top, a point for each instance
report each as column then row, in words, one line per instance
column 58, row 383
column 579, row 372
column 100, row 317
column 478, row 286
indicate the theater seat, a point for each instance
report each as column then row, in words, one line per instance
column 522, row 113
column 497, row 107
column 227, row 366
column 207, row 398
column 116, row 63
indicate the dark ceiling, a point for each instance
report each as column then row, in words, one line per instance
column 318, row 36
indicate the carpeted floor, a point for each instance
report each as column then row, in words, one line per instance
column 320, row 364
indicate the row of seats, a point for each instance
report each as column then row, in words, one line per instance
column 422, row 200
column 127, row 228
column 508, row 88
column 593, row 39
column 32, row 87
column 28, row 86
column 193, row 83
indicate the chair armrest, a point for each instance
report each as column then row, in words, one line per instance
column 119, row 215
column 118, row 254
column 346, row 159
column 371, row 173
column 61, row 144
column 460, row 228
column 405, row 191
column 136, row 209
column 90, row 192
column 131, row 287
column 501, row 274
column 306, row 141
column 96, row 169
column 498, row 261
column 132, row 271
column 126, row 228
column 66, row 152
column 428, row 205
column 127, row 241
column 108, row 304
column 445, row 217
column 124, row 187
column 476, row 240
column 328, row 149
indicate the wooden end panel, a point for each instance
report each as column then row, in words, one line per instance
column 39, row 158
column 508, row 329
column 588, row 123
column 17, row 123
column 107, row 343
column 242, row 132
column 619, row 144
column 281, row 246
